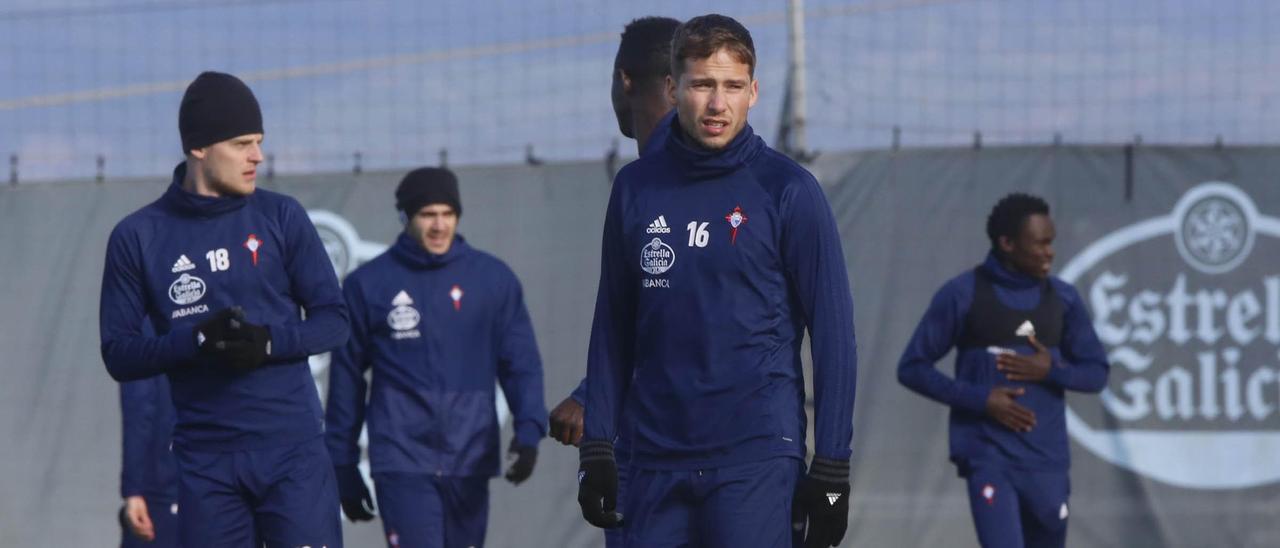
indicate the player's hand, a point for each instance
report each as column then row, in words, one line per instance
column 135, row 517
column 822, row 500
column 247, row 345
column 1033, row 368
column 211, row 335
column 566, row 422
column 523, row 457
column 598, row 484
column 1002, row 407
column 357, row 503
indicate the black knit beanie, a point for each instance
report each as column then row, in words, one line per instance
column 425, row 186
column 216, row 107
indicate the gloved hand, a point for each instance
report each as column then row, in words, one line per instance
column 247, row 345
column 822, row 498
column 598, row 484
column 357, row 503
column 230, row 340
column 525, row 457
column 212, row 332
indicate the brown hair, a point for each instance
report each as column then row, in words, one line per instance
column 701, row 37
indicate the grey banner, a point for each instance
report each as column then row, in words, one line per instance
column 1176, row 250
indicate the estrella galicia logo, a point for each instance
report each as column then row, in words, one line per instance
column 1188, row 306
column 657, row 257
column 186, row 289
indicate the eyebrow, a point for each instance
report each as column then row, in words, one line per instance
column 712, row 80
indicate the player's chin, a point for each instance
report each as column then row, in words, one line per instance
column 718, row 142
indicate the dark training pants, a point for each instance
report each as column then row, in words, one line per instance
column 741, row 506
column 1018, row 508
column 426, row 511
column 286, row 497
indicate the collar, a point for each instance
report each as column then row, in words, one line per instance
column 700, row 163
column 1005, row 277
column 195, row 205
column 410, row 252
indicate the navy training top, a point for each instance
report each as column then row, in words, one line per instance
column 713, row 264
column 184, row 257
column 436, row 330
column 1080, row 364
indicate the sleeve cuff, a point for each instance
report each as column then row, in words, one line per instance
column 829, row 470
column 974, row 398
column 595, row 450
column 580, row 393
column 528, row 434
column 1059, row 374
column 182, row 346
column 284, row 342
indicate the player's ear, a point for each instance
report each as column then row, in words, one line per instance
column 198, row 153
column 1005, row 243
column 671, row 89
column 627, row 85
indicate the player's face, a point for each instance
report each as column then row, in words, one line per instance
column 712, row 97
column 621, row 106
column 433, row 226
column 1031, row 253
column 230, row 168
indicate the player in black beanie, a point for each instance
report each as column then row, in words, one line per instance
column 221, row 127
column 222, row 270
column 436, row 324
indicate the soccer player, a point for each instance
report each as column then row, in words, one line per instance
column 697, row 331
column 148, row 475
column 1022, row 338
column 437, row 321
column 225, row 272
column 640, row 101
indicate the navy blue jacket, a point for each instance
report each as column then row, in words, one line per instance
column 436, row 330
column 148, row 467
column 698, row 324
column 184, row 257
column 1080, row 364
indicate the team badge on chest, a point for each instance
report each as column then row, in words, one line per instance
column 736, row 219
column 253, row 244
column 456, row 295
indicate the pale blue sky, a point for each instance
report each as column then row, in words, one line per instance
column 398, row 79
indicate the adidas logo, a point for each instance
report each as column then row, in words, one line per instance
column 183, row 264
column 833, row 497
column 658, row 226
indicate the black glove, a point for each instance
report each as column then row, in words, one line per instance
column 230, row 340
column 823, row 499
column 357, row 504
column 247, row 345
column 525, row 457
column 213, row 331
column 598, row 484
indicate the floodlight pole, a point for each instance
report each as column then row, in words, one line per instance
column 791, row 133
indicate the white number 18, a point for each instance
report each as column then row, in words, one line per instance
column 218, row 259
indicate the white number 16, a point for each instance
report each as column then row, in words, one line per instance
column 698, row 235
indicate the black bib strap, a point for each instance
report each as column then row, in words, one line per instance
column 992, row 323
